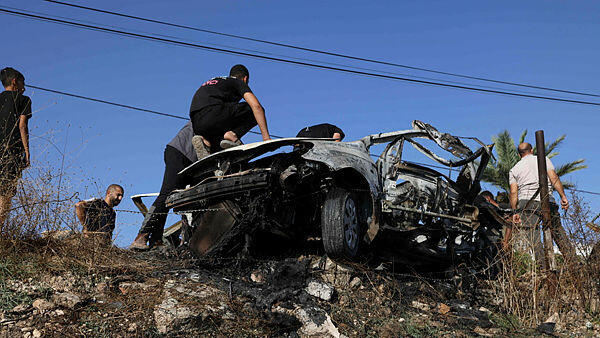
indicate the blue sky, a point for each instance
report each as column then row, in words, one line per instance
column 547, row 43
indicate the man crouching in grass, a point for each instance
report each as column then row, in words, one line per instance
column 15, row 111
column 97, row 215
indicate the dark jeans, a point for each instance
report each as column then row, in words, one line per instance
column 532, row 217
column 214, row 121
column 154, row 222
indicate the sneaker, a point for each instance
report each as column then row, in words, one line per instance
column 201, row 149
column 226, row 144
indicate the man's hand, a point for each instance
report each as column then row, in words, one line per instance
column 27, row 161
column 564, row 202
column 266, row 138
column 516, row 218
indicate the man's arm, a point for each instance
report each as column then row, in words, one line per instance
column 557, row 184
column 507, row 239
column 514, row 199
column 24, row 130
column 259, row 114
column 80, row 211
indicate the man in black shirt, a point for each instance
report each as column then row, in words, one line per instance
column 218, row 116
column 15, row 111
column 179, row 153
column 97, row 215
column 324, row 130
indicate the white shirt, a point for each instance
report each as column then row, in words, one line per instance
column 525, row 175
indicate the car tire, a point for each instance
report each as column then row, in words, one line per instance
column 341, row 227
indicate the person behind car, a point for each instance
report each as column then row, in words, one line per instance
column 219, row 119
column 323, row 130
column 489, row 198
column 179, row 153
column 97, row 215
column 524, row 182
column 15, row 111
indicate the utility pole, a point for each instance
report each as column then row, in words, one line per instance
column 544, row 199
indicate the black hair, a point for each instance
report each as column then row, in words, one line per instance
column 8, row 74
column 239, row 71
column 486, row 194
column 113, row 187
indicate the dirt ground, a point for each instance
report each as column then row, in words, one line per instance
column 73, row 289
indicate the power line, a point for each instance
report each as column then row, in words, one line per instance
column 122, row 105
column 265, row 53
column 299, row 63
column 346, row 56
column 107, row 102
column 185, row 118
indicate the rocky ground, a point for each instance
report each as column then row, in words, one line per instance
column 166, row 292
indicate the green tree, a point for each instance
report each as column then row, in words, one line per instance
column 507, row 156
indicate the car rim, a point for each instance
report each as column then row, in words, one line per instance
column 350, row 224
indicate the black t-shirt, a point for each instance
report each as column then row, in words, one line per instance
column 219, row 90
column 99, row 216
column 12, row 105
column 324, row 130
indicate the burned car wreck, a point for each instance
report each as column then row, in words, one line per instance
column 336, row 191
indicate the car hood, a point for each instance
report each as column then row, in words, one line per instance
column 336, row 155
column 246, row 152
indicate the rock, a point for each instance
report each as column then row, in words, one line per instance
column 102, row 287
column 488, row 312
column 355, row 282
column 62, row 283
column 320, row 290
column 43, row 305
column 185, row 301
column 132, row 328
column 315, row 322
column 67, row 299
column 57, row 313
column 420, row 306
column 126, row 287
column 257, row 277
column 21, row 308
column 547, row 328
column 333, row 273
column 36, row 333
column 482, row 332
column 401, row 320
column 589, row 325
column 170, row 313
column 442, row 309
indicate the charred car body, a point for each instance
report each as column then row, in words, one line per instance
column 336, row 191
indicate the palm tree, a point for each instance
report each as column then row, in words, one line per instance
column 497, row 170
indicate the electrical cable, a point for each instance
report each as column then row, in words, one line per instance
column 123, row 105
column 318, row 51
column 263, row 52
column 344, row 70
column 185, row 118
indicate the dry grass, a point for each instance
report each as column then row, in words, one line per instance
column 531, row 295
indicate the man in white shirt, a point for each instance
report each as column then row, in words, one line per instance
column 524, row 182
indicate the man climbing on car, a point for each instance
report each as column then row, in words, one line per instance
column 218, row 118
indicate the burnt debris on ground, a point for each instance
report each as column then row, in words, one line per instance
column 168, row 292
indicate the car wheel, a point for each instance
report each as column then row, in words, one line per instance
column 340, row 224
